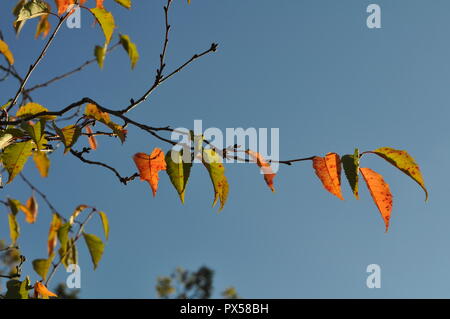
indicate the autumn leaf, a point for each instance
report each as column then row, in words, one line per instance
column 149, row 167
column 328, row 169
column 41, row 290
column 178, row 171
column 95, row 247
column 42, row 163
column 15, row 156
column 43, row 27
column 69, row 135
column 76, row 212
column 63, row 5
column 14, row 228
column 92, row 140
column 106, row 21
column 55, row 225
column 32, row 108
column 269, row 175
column 92, row 111
column 351, row 169
column 131, row 49
column 4, row 49
column 213, row 163
column 100, row 55
column 30, row 209
column 32, row 9
column 105, row 224
column 99, row 4
column 380, row 192
column 404, row 162
column 124, row 3
column 42, row 266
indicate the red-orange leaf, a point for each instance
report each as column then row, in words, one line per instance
column 30, row 210
column 149, row 167
column 380, row 192
column 100, row 4
column 41, row 290
column 63, row 5
column 269, row 175
column 328, row 169
column 92, row 140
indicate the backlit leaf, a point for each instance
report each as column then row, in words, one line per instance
column 106, row 21
column 69, row 135
column 33, row 109
column 351, row 169
column 42, row 266
column 105, row 224
column 131, row 49
column 149, row 167
column 14, row 229
column 41, row 290
column 328, row 169
column 178, row 171
column 269, row 175
column 4, row 49
column 92, row 111
column 15, row 156
column 69, row 255
column 42, row 163
column 404, row 162
column 32, row 9
column 213, row 163
column 30, row 209
column 95, row 247
column 100, row 55
column 380, row 192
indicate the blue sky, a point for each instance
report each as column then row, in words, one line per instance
column 310, row 68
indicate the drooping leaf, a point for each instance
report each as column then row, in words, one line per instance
column 269, row 175
column 105, row 224
column 42, row 163
column 32, row 9
column 43, row 27
column 106, row 21
column 91, row 139
column 380, row 192
column 130, row 48
column 15, row 156
column 100, row 55
column 69, row 135
column 14, row 204
column 328, row 169
column 213, row 163
column 351, row 169
column 124, row 3
column 14, row 229
column 149, row 167
column 41, row 290
column 77, row 212
column 55, row 225
column 404, row 162
column 178, row 171
column 92, row 111
column 30, row 209
column 4, row 49
column 95, row 247
column 63, row 237
column 33, row 109
column 69, row 255
column 42, row 266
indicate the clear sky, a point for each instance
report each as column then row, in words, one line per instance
column 310, row 68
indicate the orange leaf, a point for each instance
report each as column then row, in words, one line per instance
column 269, row 175
column 92, row 140
column 30, row 210
column 100, row 4
column 40, row 289
column 52, row 233
column 328, row 169
column 380, row 192
column 149, row 166
column 63, row 5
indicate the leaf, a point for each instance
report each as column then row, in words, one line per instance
column 15, row 156
column 106, row 21
column 149, row 167
column 32, row 9
column 55, row 225
column 4, row 49
column 30, row 210
column 36, row 132
column 40, row 289
column 213, row 163
column 100, row 55
column 105, row 224
column 63, row 237
column 351, row 169
column 69, row 255
column 14, row 204
column 269, row 175
column 131, row 49
column 178, row 171
column 5, row 140
column 31, row 108
column 14, row 229
column 69, row 135
column 99, row 3
column 380, row 192
column 17, row 289
column 41, row 267
column 43, row 27
column 92, row 111
column 77, row 212
column 124, row 3
column 95, row 247
column 92, row 140
column 404, row 162
column 42, row 163
column 328, row 169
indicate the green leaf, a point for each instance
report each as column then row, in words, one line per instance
column 14, row 229
column 351, row 169
column 95, row 247
column 37, row 133
column 15, row 156
column 69, row 135
column 100, row 54
column 18, row 289
column 404, row 162
column 131, row 49
column 106, row 21
column 216, row 170
column 124, row 3
column 105, row 224
column 70, row 256
column 63, row 236
column 41, row 266
column 32, row 9
column 178, row 171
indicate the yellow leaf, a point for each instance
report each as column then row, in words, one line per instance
column 55, row 224
column 42, row 163
column 106, row 21
column 33, row 109
column 4, row 49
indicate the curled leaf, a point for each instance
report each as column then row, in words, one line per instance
column 30, row 209
column 41, row 290
column 149, row 167
column 328, row 169
column 269, row 175
column 213, row 163
column 131, row 49
column 55, row 225
column 92, row 140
